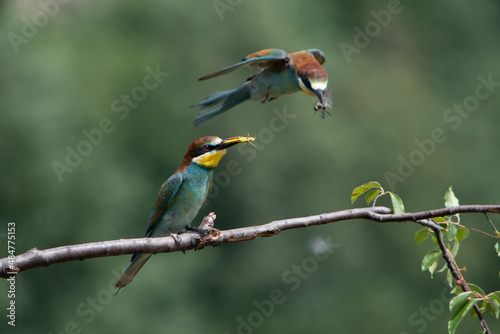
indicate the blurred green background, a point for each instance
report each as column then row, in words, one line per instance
column 65, row 68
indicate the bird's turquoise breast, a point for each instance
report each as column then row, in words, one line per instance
column 188, row 200
column 274, row 84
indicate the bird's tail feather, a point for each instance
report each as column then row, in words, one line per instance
column 137, row 262
column 219, row 102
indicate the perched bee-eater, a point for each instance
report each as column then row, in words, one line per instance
column 280, row 73
column 182, row 195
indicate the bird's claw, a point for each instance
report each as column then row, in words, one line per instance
column 206, row 233
column 177, row 239
column 200, row 231
column 207, row 230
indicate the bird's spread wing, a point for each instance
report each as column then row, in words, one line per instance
column 276, row 53
column 269, row 58
column 167, row 193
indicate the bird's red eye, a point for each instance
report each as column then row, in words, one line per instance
column 206, row 148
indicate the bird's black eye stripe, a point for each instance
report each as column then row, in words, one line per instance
column 201, row 150
column 306, row 82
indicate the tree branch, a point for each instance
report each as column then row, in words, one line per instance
column 35, row 258
column 455, row 272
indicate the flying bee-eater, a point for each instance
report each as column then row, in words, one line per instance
column 280, row 74
column 182, row 195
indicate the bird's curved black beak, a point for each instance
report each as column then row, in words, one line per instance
column 319, row 93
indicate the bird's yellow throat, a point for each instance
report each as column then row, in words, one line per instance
column 210, row 160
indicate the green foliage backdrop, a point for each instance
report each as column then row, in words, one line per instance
column 393, row 86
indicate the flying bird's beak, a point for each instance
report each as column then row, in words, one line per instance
column 319, row 93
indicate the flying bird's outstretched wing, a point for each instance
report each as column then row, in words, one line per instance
column 274, row 59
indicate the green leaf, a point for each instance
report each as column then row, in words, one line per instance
column 421, row 235
column 358, row 191
column 460, row 299
column 476, row 288
column 397, row 203
column 462, row 234
column 450, row 199
column 440, row 219
column 459, row 314
column 494, row 298
column 434, row 239
column 452, row 231
column 455, row 249
column 480, row 304
column 457, row 290
column 495, row 295
column 432, row 268
column 429, row 259
column 371, row 195
column 493, row 306
column 497, row 248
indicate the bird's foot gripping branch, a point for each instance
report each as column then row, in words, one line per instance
column 206, row 229
column 447, row 233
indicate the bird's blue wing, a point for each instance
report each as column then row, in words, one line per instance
column 165, row 196
column 266, row 58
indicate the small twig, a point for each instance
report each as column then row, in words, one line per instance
column 450, row 262
column 479, row 231
column 491, row 223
